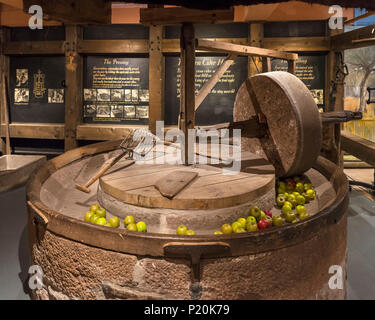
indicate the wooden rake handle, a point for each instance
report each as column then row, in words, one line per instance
column 106, row 166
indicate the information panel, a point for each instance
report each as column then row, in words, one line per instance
column 37, row 91
column 217, row 107
column 116, row 90
column 311, row 70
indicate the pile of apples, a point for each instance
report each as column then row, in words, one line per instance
column 97, row 215
column 293, row 194
column 257, row 220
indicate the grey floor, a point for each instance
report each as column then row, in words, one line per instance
column 14, row 258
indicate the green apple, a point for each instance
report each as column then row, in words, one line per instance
column 251, row 219
column 300, row 209
column 311, row 194
column 226, row 228
column 307, row 199
column 236, row 225
column 307, row 186
column 242, row 222
column 181, row 229
column 262, row 215
column 94, row 207
column 255, row 212
column 101, row 221
column 250, row 227
column 299, row 188
column 286, row 209
column 190, row 232
column 131, row 227
column 141, row 226
column 277, row 221
column 280, row 190
column 240, row 230
column 88, row 215
column 280, row 200
column 94, row 218
column 114, row 222
column 290, row 217
column 300, row 200
column 129, row 220
column 101, row 212
column 304, row 216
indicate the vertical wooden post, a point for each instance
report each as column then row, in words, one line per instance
column 331, row 146
column 255, row 40
column 292, row 66
column 266, row 64
column 156, row 76
column 4, row 116
column 73, row 82
column 187, row 95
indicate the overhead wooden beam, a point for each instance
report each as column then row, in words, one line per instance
column 34, row 47
column 74, row 11
column 302, row 44
column 361, row 148
column 156, row 77
column 210, row 84
column 349, row 40
column 217, row 46
column 74, row 84
column 13, row 3
column 113, row 46
column 365, row 15
column 173, row 45
column 177, row 15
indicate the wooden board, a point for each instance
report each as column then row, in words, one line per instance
column 211, row 189
column 171, row 184
column 292, row 143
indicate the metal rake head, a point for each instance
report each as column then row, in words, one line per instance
column 138, row 142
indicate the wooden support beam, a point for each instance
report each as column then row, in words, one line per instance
column 102, row 132
column 178, row 15
column 217, row 46
column 210, row 84
column 301, row 44
column 255, row 40
column 331, row 144
column 292, row 66
column 113, row 46
column 54, row 131
column 34, row 47
column 73, row 90
column 156, row 77
column 4, row 71
column 266, row 64
column 365, row 15
column 74, row 11
column 361, row 148
column 173, row 45
column 187, row 88
column 348, row 40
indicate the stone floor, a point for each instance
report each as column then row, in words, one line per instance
column 14, row 259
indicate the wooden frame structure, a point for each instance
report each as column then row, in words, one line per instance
column 156, row 47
